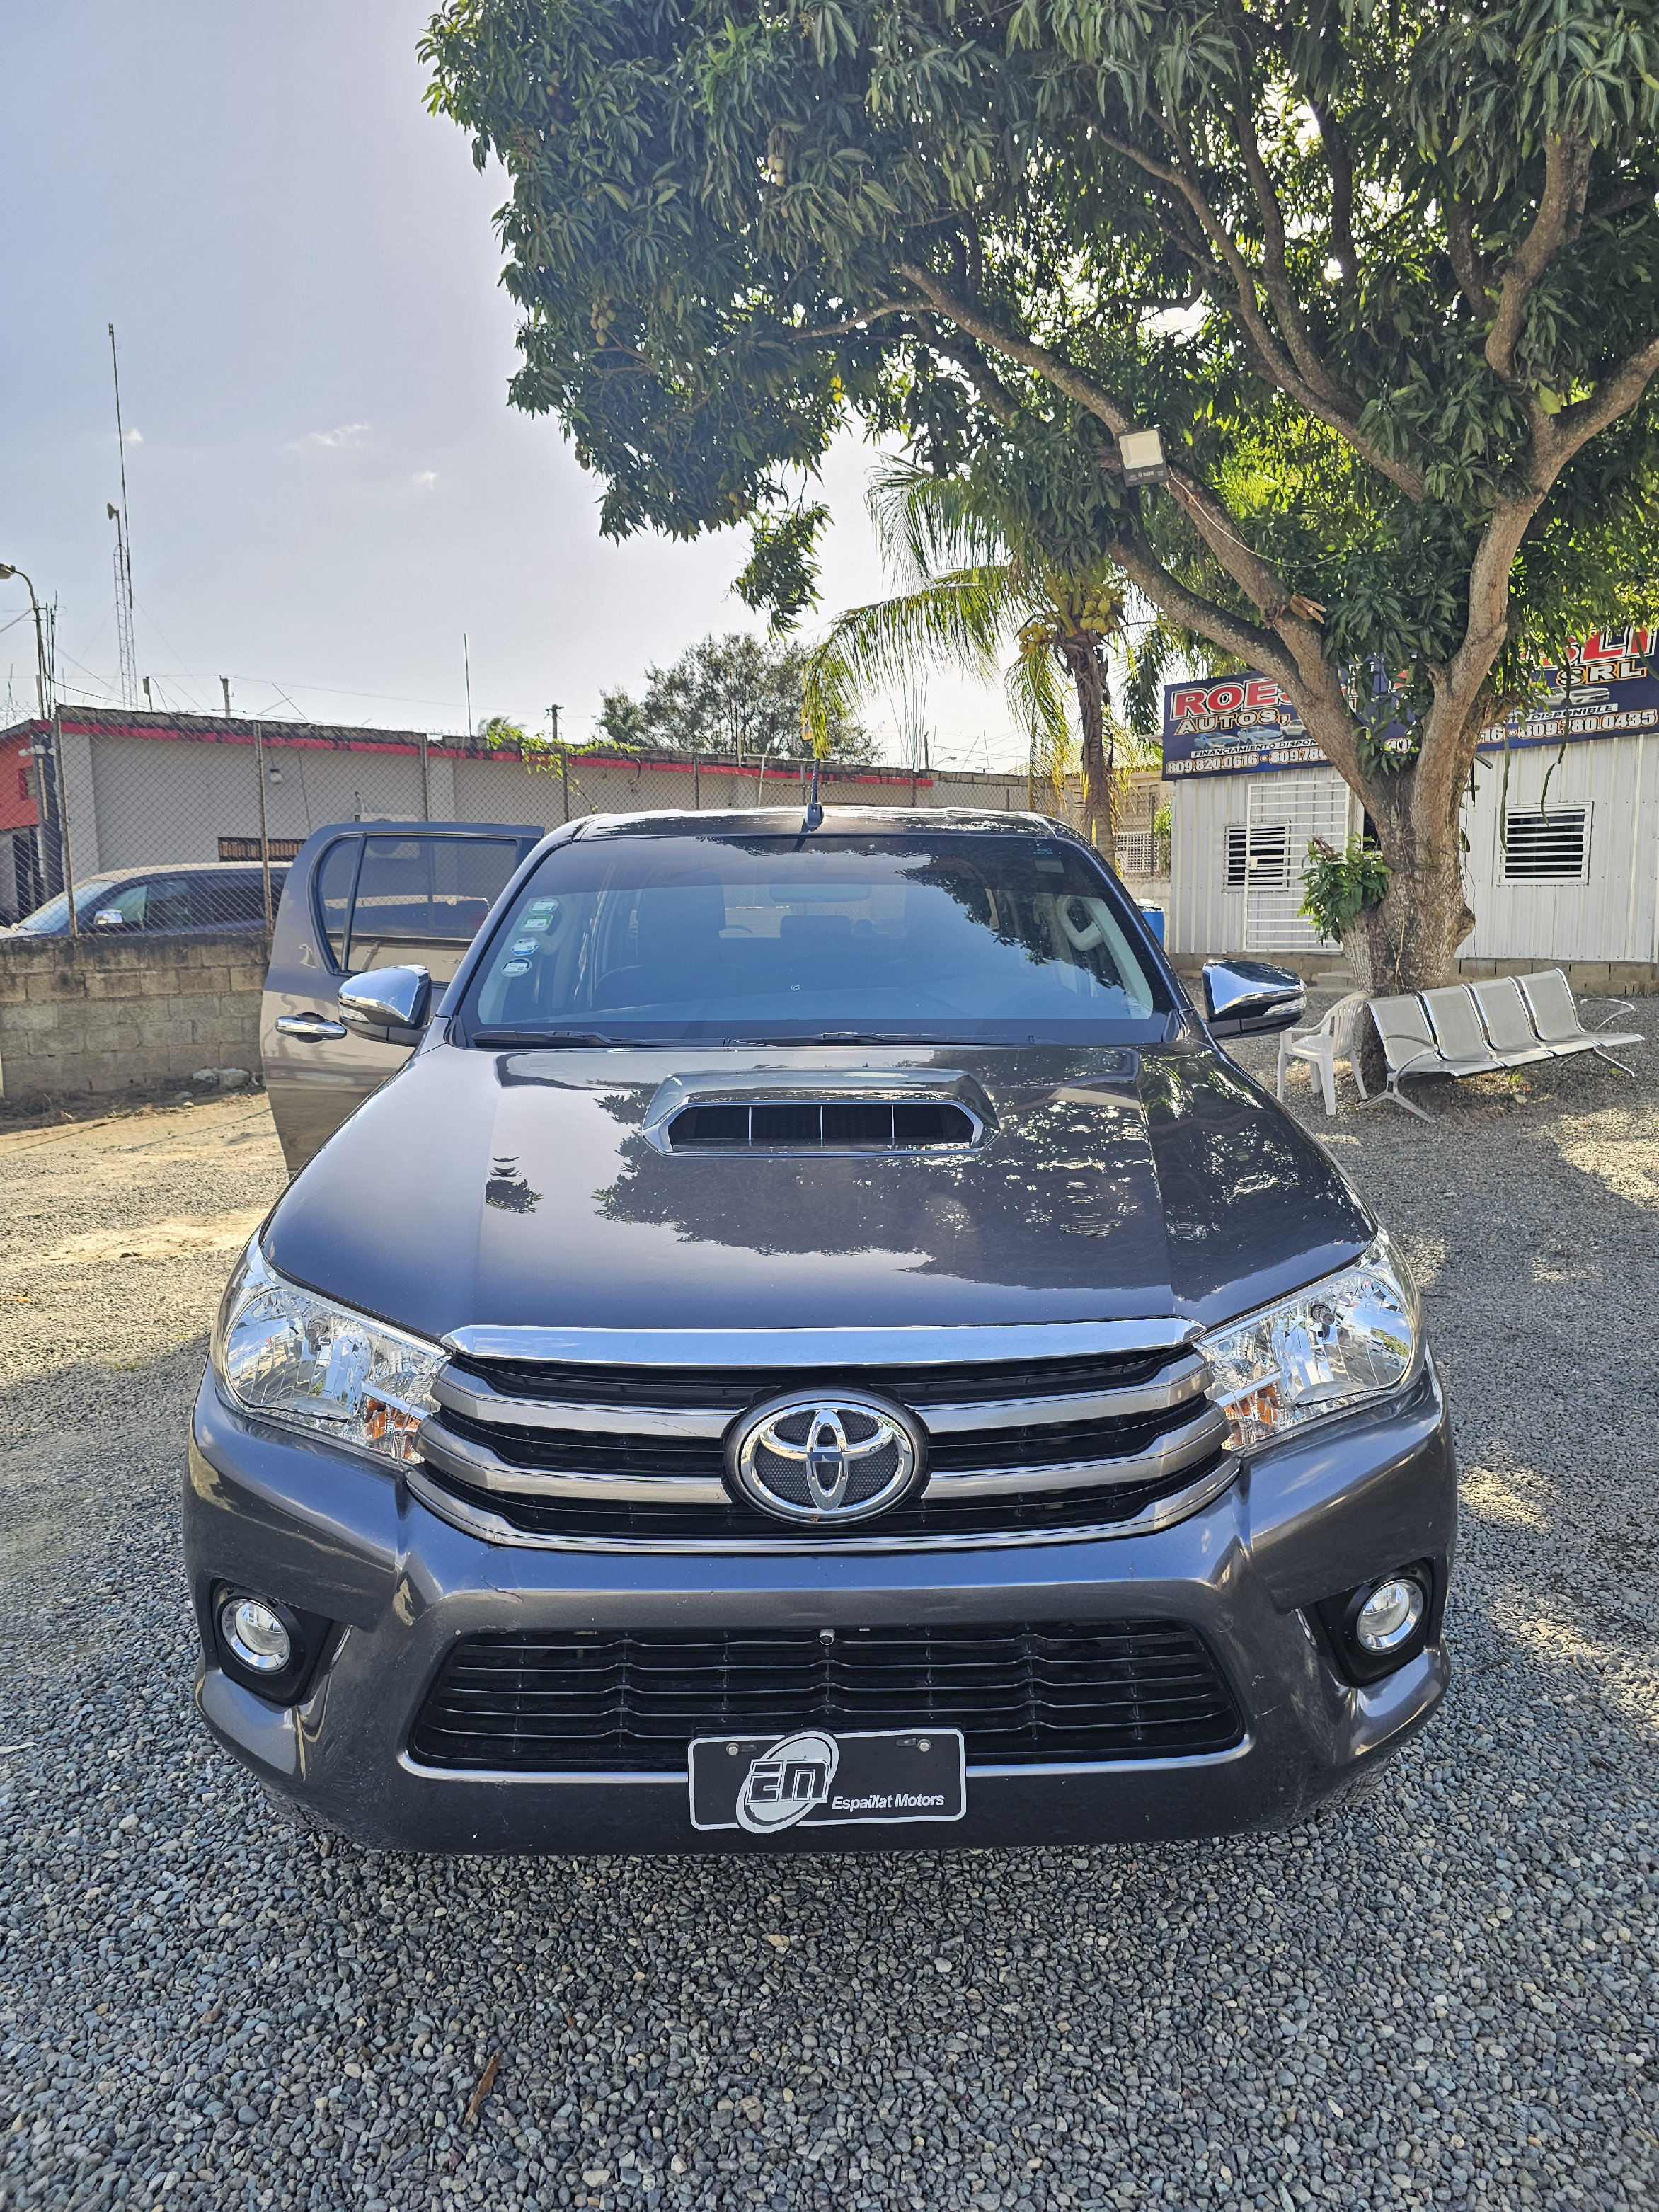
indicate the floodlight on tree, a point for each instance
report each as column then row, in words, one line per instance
column 1143, row 457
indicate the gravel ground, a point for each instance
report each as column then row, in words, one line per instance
column 1446, row 1995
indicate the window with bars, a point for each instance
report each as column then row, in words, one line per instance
column 1551, row 847
column 1259, row 855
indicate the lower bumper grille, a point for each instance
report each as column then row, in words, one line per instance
column 574, row 1701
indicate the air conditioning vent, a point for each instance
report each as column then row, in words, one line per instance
column 823, row 1125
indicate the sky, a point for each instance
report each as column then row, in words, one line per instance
column 327, row 489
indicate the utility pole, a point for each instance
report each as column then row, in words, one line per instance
column 66, row 864
column 224, row 685
column 553, row 717
column 127, row 648
column 264, row 827
column 467, row 665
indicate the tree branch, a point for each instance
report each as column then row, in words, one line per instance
column 1575, row 426
column 1561, row 203
column 1279, row 367
column 1469, row 265
column 969, row 316
column 1628, row 196
column 1306, row 676
column 1260, row 648
column 969, row 357
column 1276, row 276
column 1340, row 162
column 1255, row 577
column 856, row 322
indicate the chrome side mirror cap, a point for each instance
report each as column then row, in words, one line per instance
column 391, row 1005
column 1247, row 997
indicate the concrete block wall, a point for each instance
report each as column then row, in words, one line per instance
column 93, row 1018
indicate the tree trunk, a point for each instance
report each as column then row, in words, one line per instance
column 1080, row 653
column 1409, row 943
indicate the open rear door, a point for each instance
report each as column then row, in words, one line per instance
column 361, row 896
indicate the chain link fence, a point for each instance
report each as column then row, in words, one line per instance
column 208, row 809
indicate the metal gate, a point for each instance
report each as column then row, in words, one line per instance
column 1285, row 812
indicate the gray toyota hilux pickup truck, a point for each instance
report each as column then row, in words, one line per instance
column 815, row 1345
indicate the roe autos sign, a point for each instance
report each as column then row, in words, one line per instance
column 1231, row 724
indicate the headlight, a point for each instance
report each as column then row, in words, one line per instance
column 288, row 1356
column 1350, row 1337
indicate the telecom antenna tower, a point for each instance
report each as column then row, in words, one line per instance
column 126, row 646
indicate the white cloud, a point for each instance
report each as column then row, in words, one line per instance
column 344, row 433
column 423, row 479
column 134, row 438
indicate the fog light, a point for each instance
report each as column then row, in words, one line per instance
column 1390, row 1615
column 256, row 1634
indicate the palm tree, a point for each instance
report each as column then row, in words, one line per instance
column 976, row 587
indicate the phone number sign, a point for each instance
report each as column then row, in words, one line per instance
column 1245, row 725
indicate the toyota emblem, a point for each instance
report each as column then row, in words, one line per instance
column 829, row 1457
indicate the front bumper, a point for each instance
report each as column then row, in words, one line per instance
column 326, row 1533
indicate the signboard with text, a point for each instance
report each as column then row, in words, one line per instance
column 1244, row 724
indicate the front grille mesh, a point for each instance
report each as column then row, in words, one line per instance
column 608, row 1701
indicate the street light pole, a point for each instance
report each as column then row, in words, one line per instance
column 53, row 752
column 7, row 572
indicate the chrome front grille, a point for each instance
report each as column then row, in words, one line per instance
column 1108, row 1432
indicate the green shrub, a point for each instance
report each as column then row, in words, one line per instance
column 1338, row 887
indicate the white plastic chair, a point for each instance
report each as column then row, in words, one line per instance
column 1322, row 1046
column 1556, row 1020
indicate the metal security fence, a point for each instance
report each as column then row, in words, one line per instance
column 209, row 809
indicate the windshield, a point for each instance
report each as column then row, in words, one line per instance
column 54, row 914
column 930, row 937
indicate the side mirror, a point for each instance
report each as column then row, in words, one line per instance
column 1247, row 997
column 109, row 917
column 391, row 1005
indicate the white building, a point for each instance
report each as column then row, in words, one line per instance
column 142, row 789
column 1573, row 881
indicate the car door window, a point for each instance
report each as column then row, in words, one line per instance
column 228, row 901
column 421, row 900
column 158, row 903
column 167, row 903
column 336, row 872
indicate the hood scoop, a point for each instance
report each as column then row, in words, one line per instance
column 819, row 1114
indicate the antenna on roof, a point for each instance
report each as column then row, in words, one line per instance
column 814, row 812
column 125, row 648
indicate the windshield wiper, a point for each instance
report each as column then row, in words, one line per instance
column 539, row 1040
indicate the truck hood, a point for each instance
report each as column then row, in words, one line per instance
column 523, row 1188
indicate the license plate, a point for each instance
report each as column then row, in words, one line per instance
column 814, row 1780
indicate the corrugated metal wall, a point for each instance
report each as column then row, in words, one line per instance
column 1205, row 915
column 137, row 801
column 1613, row 915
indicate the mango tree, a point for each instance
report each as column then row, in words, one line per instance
column 1386, row 276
